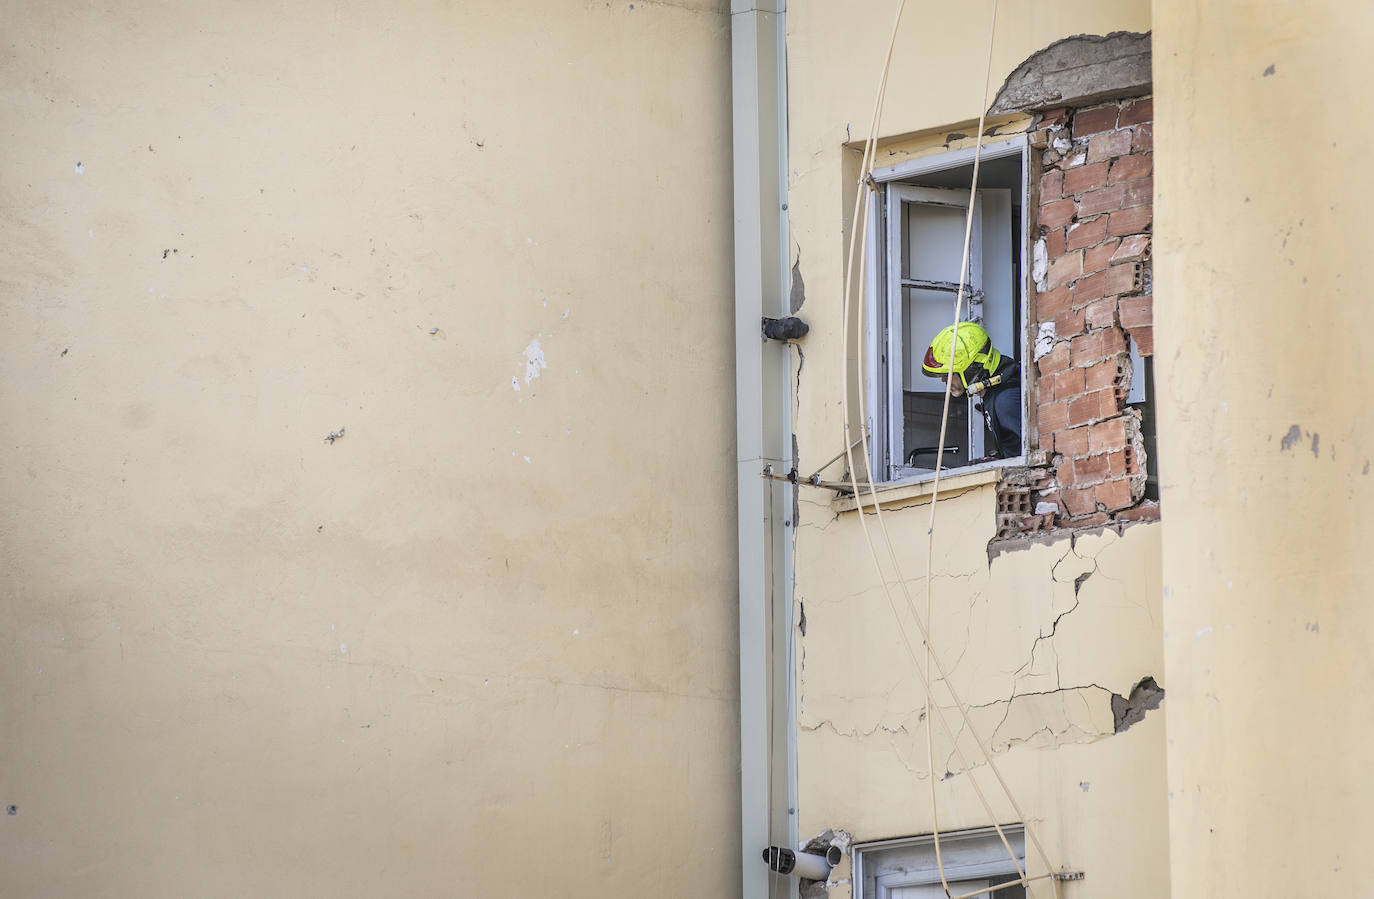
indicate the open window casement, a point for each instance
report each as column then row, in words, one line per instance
column 912, row 296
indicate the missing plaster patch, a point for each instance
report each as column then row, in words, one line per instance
column 534, row 360
column 1146, row 696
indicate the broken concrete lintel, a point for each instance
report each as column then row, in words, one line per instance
column 1076, row 71
column 999, row 545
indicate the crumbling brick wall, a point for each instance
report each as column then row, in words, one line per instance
column 1091, row 268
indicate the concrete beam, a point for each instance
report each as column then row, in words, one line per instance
column 1076, row 71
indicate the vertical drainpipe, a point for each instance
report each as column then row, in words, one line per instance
column 764, row 436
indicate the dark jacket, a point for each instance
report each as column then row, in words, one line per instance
column 1001, row 408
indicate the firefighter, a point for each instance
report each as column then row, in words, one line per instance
column 980, row 369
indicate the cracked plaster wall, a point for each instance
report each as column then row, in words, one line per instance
column 1043, row 644
column 1040, row 660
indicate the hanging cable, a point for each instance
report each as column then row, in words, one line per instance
column 863, row 198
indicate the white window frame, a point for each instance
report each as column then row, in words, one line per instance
column 885, row 348
column 882, row 866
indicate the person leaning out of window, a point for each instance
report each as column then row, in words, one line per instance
column 980, row 369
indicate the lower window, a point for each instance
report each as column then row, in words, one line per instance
column 973, row 860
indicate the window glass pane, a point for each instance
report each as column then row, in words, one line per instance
column 934, row 241
column 924, row 313
column 921, row 428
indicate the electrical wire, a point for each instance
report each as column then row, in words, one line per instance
column 862, row 199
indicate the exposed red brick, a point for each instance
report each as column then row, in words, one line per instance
column 1090, row 469
column 1130, row 221
column 1129, row 168
column 1051, row 496
column 1137, row 111
column 1044, row 387
column 1144, row 139
column 1117, row 279
column 1104, row 199
column 1132, row 249
column 1106, row 436
column 1113, row 494
column 1137, row 312
column 1091, row 407
column 1051, row 186
column 1120, row 464
column 1109, row 144
column 1065, row 269
column 1146, row 511
column 1085, row 178
column 1100, row 313
column 1068, row 383
column 1138, row 193
column 1054, row 243
column 1102, row 375
column 1052, row 302
column 1092, row 121
column 1068, row 323
column 1057, row 213
column 1079, row 502
column 1144, row 340
column 1095, row 345
column 1109, row 402
column 1085, row 234
column 1100, row 256
column 1056, row 359
column 1092, row 521
column 1073, row 442
column 1064, row 472
column 1057, row 116
column 1053, row 416
column 1121, row 279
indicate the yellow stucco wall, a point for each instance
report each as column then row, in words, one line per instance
column 1037, row 656
column 484, row 643
column 1263, row 320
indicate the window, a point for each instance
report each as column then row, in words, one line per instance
column 917, row 234
column 906, row 868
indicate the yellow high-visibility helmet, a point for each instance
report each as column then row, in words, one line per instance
column 971, row 344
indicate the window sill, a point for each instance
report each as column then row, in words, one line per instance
column 918, row 488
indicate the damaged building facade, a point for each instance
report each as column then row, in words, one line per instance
column 1045, row 593
column 1084, row 597
column 370, row 521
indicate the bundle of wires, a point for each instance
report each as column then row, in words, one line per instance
column 864, row 197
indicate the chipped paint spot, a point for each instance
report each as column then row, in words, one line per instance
column 343, row 649
column 515, row 383
column 1315, row 453
column 534, row 360
column 80, row 169
column 1197, row 634
column 1290, row 439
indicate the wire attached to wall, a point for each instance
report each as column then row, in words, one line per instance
column 867, row 187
